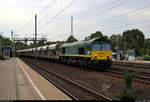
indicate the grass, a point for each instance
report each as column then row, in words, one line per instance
column 146, row 58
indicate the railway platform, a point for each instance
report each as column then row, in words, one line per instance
column 19, row 82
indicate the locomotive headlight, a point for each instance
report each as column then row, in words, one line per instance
column 108, row 57
column 94, row 57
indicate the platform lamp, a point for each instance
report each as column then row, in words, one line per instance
column 1, row 43
column 14, row 36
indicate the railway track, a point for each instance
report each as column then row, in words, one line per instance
column 140, row 69
column 142, row 77
column 133, row 65
column 73, row 89
column 138, row 78
column 142, row 73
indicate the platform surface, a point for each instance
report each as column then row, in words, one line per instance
column 19, row 82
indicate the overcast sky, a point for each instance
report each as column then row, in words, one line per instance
column 108, row 16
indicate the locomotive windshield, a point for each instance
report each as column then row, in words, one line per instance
column 101, row 47
column 105, row 47
column 96, row 47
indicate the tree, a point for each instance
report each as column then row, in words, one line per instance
column 6, row 42
column 116, row 39
column 40, row 43
column 94, row 35
column 147, row 43
column 134, row 39
column 31, row 45
column 71, row 39
column 147, row 47
column 20, row 45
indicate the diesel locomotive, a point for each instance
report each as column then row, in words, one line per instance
column 95, row 53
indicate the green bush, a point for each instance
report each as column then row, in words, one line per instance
column 128, row 79
column 126, row 94
column 148, row 52
column 147, row 58
column 2, row 57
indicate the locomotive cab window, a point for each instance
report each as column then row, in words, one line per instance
column 105, row 46
column 63, row 50
column 81, row 51
column 96, row 47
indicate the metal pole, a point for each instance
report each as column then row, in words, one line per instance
column 35, row 34
column 11, row 35
column 2, row 44
column 12, row 45
column 117, row 43
column 72, row 25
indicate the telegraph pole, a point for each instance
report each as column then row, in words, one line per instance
column 35, row 34
column 12, row 35
column 12, row 45
column 1, row 44
column 72, row 25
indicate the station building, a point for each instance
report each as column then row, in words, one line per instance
column 6, row 51
column 127, row 54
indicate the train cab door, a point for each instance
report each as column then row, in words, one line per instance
column 82, row 51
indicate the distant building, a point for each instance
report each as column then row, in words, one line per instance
column 130, row 54
column 127, row 54
column 6, row 51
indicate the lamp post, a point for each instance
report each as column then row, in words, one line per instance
column 1, row 43
column 14, row 46
column 117, row 48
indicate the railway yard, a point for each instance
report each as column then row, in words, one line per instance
column 73, row 81
column 82, row 84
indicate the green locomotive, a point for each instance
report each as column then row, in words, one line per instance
column 95, row 53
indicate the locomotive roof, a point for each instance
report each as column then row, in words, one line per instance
column 80, row 43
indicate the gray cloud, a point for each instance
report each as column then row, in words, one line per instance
column 89, row 16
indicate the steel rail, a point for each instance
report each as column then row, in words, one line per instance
column 70, row 81
column 138, row 78
column 58, row 86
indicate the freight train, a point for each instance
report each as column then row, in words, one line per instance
column 95, row 53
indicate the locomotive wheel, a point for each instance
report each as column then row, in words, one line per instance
column 85, row 64
column 82, row 65
column 89, row 65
